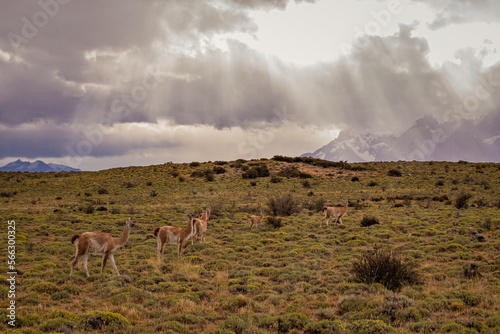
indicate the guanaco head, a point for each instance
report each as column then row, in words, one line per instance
column 130, row 223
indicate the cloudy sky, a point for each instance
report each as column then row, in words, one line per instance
column 99, row 84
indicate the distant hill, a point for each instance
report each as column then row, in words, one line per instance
column 425, row 140
column 37, row 166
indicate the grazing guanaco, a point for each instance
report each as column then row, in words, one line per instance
column 99, row 243
column 256, row 219
column 334, row 213
column 174, row 235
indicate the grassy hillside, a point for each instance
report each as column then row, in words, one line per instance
column 295, row 278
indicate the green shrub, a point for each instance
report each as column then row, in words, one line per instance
column 104, row 321
column 219, row 170
column 45, row 287
column 102, row 191
column 287, row 322
column 461, row 202
column 471, row 270
column 172, row 327
column 424, row 327
column 351, row 304
column 60, row 295
column 32, row 298
column 236, row 324
column 325, row 327
column 369, row 221
column 275, row 179
column 274, row 222
column 369, row 327
column 284, row 205
column 469, row 298
column 59, row 325
column 256, row 171
column 493, row 321
column 451, row 327
column 394, row 172
column 386, row 267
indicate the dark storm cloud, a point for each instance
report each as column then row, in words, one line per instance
column 452, row 11
column 48, row 45
column 51, row 140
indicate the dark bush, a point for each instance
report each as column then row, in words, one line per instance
column 372, row 184
column 394, row 172
column 128, row 185
column 102, row 191
column 209, row 175
column 285, row 205
column 440, row 198
column 355, row 179
column 274, row 221
column 315, row 205
column 153, row 193
column 386, row 267
column 219, row 170
column 461, row 202
column 471, row 270
column 88, row 209
column 256, row 171
column 369, row 221
column 194, row 164
column 275, row 179
column 440, row 183
column 306, row 184
column 197, row 173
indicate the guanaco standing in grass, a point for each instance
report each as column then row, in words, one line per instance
column 99, row 243
column 174, row 235
column 256, row 220
column 334, row 213
column 200, row 225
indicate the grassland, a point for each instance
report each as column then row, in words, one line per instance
column 295, row 278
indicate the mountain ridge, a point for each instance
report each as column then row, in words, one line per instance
column 37, row 166
column 426, row 139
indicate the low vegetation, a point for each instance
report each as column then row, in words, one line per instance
column 417, row 250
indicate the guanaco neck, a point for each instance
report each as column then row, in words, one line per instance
column 124, row 237
column 190, row 228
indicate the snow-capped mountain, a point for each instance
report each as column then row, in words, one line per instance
column 427, row 139
column 37, row 166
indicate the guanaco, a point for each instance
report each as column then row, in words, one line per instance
column 334, row 213
column 99, row 243
column 256, row 220
column 174, row 235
